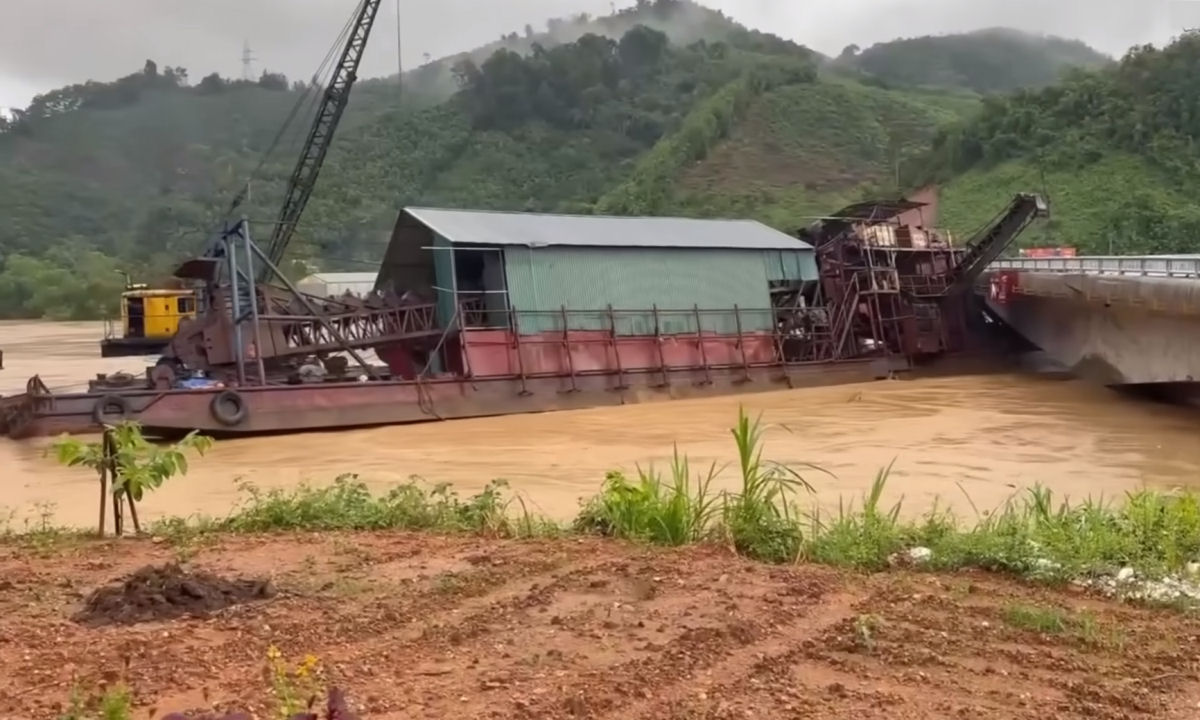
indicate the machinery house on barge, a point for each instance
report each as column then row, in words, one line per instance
column 558, row 295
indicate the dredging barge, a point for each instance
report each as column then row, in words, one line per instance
column 863, row 294
column 479, row 313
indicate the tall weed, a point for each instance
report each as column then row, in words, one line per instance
column 865, row 537
column 758, row 519
column 674, row 513
column 1034, row 533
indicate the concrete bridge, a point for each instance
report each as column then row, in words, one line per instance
column 1130, row 320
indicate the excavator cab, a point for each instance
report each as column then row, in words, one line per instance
column 149, row 319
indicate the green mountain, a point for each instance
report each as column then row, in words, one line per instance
column 683, row 22
column 985, row 61
column 664, row 108
column 1115, row 149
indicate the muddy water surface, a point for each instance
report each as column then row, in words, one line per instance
column 985, row 435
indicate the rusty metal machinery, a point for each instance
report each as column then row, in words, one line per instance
column 320, row 136
column 273, row 329
column 252, row 316
column 996, row 238
column 892, row 288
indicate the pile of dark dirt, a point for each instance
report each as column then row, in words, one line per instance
column 167, row 592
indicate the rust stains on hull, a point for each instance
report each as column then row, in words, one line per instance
column 293, row 408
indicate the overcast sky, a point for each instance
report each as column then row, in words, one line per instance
column 45, row 44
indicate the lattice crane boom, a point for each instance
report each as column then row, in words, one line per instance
column 320, row 137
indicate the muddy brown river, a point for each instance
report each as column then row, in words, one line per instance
column 986, row 435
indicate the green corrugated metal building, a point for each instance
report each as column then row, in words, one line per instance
column 541, row 265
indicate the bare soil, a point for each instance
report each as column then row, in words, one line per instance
column 418, row 626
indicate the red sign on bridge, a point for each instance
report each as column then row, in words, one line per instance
column 1047, row 252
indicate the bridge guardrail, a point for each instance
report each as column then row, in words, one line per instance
column 1148, row 266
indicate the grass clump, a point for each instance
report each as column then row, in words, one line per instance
column 1034, row 535
column 1044, row 620
column 1082, row 627
column 113, row 703
column 39, row 536
column 296, row 693
column 349, row 505
column 863, row 537
column 758, row 520
column 673, row 512
column 1154, row 532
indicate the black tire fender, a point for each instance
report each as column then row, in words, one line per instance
column 110, row 409
column 229, row 408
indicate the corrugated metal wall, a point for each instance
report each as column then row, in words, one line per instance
column 790, row 264
column 637, row 279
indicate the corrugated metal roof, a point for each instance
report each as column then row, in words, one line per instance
column 478, row 227
column 877, row 210
column 342, row 277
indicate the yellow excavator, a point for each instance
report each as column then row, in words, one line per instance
column 150, row 317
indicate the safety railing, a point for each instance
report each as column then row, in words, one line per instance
column 1145, row 265
column 573, row 343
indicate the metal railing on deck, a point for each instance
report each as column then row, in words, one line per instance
column 1143, row 265
column 721, row 339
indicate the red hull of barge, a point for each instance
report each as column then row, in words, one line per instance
column 491, row 373
column 347, row 405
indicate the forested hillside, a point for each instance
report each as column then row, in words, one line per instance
column 132, row 174
column 663, row 108
column 985, row 61
column 683, row 22
column 1116, row 150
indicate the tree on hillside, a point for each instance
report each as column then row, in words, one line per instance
column 665, row 8
column 273, row 81
column 1144, row 107
column 642, row 47
column 123, row 92
column 176, row 76
column 211, row 84
column 71, row 283
column 987, row 61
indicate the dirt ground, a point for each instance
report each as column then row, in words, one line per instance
column 416, row 626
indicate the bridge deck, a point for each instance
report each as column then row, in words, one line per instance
column 1173, row 266
column 1128, row 320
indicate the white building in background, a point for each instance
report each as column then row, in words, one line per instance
column 325, row 284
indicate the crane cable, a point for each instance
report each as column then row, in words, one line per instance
column 304, row 98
